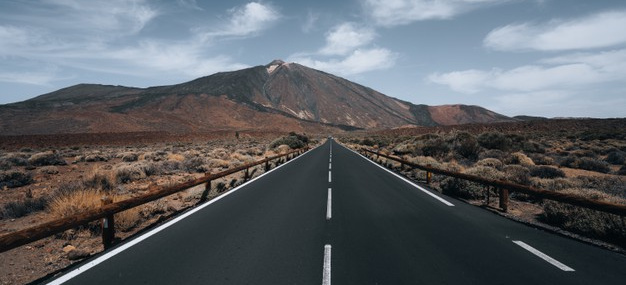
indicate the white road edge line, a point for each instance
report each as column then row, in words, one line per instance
column 543, row 256
column 326, row 272
column 408, row 181
column 329, row 204
column 104, row 257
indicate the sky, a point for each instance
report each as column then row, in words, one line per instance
column 550, row 58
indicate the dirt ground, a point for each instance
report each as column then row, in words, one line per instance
column 151, row 164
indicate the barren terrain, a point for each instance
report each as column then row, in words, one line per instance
column 48, row 177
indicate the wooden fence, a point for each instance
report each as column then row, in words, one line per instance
column 108, row 209
column 506, row 187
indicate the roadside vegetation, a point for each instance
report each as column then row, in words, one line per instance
column 585, row 164
column 62, row 182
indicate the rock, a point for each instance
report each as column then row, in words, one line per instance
column 77, row 254
column 69, row 248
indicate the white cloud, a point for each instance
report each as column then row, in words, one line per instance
column 247, row 20
column 117, row 17
column 563, row 72
column 359, row 61
column 160, row 56
column 595, row 31
column 189, row 4
column 346, row 37
column 309, row 23
column 31, row 78
column 400, row 12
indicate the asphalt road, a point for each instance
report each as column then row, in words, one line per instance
column 337, row 218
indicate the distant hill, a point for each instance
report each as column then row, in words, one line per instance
column 278, row 96
column 530, row 118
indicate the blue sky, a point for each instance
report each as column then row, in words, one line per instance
column 553, row 58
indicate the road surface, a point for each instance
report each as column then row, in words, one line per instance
column 331, row 216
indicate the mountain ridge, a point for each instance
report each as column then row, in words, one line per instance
column 276, row 96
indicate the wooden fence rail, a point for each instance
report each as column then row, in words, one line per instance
column 25, row 236
column 505, row 187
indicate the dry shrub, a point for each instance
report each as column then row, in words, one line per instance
column 176, row 157
column 495, row 140
column 470, row 190
column 517, row 174
column 584, row 221
column 195, row 164
column 94, row 157
column 540, row 159
column 75, row 202
column 220, row 153
column 127, row 220
column 425, row 161
column 553, row 184
column 254, row 151
column 129, row 157
column 493, row 153
column 622, row 170
column 404, row 148
column 612, row 185
column 71, row 203
column 545, row 171
column 48, row 170
column 128, row 173
column 15, row 178
column 490, row 162
column 282, row 149
column 218, row 163
column 99, row 178
column 519, row 158
column 151, row 156
column 17, row 209
column 586, row 163
column 46, row 158
column 10, row 160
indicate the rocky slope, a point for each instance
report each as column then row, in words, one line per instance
column 278, row 96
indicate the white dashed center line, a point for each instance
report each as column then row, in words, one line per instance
column 326, row 272
column 329, row 204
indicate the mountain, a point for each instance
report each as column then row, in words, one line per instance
column 278, row 96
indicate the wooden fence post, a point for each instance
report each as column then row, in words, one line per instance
column 267, row 165
column 429, row 177
column 108, row 225
column 246, row 176
column 504, row 199
column 205, row 193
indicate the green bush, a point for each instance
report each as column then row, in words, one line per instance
column 495, row 140
column 435, row 147
column 13, row 179
column 584, row 221
column 12, row 159
column 586, row 163
column 547, row 172
column 294, row 141
column 466, row 145
column 19, row 209
column 616, row 158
